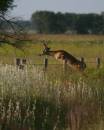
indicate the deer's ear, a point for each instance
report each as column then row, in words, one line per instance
column 44, row 44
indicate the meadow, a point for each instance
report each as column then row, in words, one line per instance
column 55, row 99
column 87, row 46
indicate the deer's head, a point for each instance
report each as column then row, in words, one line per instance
column 46, row 49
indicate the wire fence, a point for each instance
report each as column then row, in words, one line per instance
column 45, row 62
column 39, row 60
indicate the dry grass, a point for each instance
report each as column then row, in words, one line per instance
column 66, row 38
column 32, row 99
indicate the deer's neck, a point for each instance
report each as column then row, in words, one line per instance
column 51, row 53
column 56, row 54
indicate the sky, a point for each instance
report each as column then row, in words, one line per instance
column 25, row 8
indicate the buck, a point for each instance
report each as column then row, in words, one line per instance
column 64, row 57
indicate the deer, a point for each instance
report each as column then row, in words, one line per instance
column 64, row 57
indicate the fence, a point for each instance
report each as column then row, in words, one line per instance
column 22, row 62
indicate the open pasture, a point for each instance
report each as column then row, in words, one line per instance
column 88, row 46
column 34, row 99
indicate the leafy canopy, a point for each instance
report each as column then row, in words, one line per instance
column 5, row 5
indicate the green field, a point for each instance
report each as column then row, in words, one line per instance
column 34, row 99
column 87, row 46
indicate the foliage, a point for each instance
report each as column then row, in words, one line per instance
column 50, row 22
column 5, row 5
column 44, row 22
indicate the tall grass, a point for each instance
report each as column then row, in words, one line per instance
column 32, row 99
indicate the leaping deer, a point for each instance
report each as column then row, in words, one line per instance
column 64, row 57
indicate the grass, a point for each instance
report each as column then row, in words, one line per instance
column 87, row 46
column 34, row 99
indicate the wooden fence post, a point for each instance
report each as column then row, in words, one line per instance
column 24, row 61
column 65, row 65
column 18, row 61
column 98, row 62
column 82, row 61
column 45, row 63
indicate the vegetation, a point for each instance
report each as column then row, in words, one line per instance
column 34, row 99
column 54, row 99
column 5, row 5
column 88, row 46
column 50, row 22
column 46, row 22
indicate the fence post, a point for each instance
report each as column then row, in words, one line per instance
column 98, row 62
column 82, row 61
column 65, row 65
column 24, row 61
column 45, row 63
column 18, row 61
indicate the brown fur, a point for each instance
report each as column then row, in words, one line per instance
column 64, row 57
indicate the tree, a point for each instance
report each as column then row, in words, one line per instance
column 82, row 24
column 8, row 27
column 60, row 23
column 48, row 22
column 5, row 5
column 43, row 21
column 71, row 20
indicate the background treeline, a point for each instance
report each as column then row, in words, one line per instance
column 50, row 22
column 57, row 23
